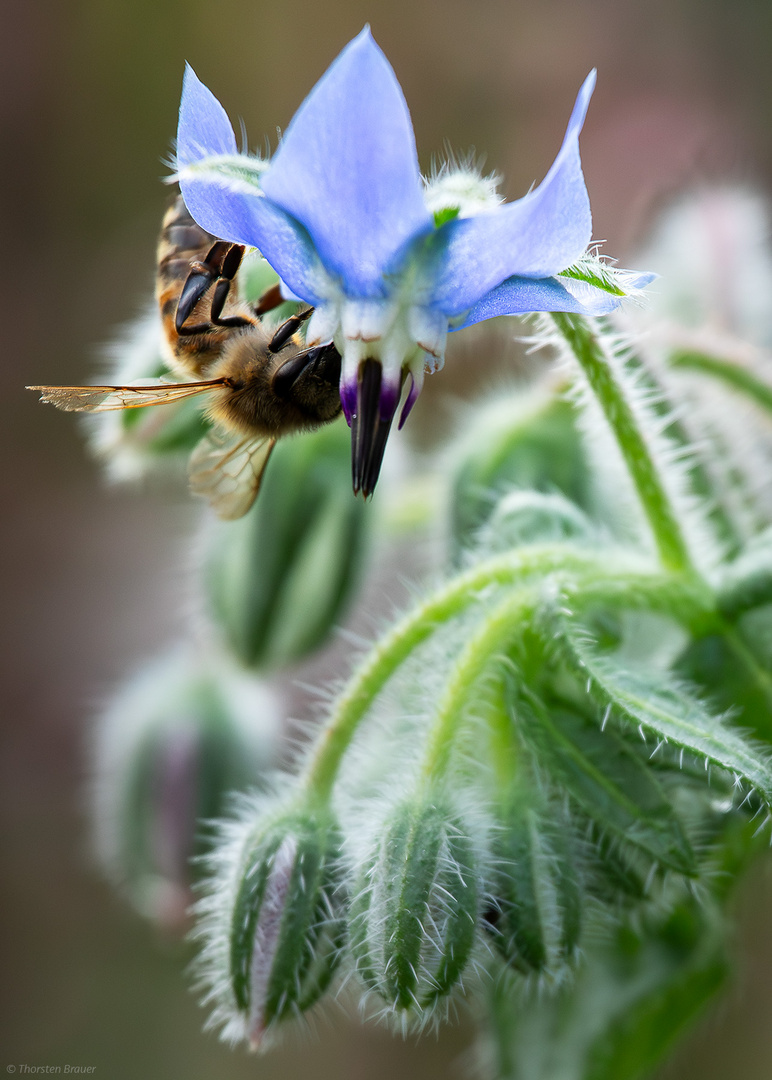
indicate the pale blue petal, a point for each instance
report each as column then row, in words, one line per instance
column 521, row 296
column 256, row 222
column 537, row 236
column 635, row 279
column 204, row 132
column 347, row 168
column 204, row 128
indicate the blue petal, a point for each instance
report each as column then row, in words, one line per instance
column 204, row 128
column 347, row 168
column 537, row 236
column 205, row 132
column 520, row 296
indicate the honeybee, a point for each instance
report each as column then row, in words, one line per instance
column 259, row 384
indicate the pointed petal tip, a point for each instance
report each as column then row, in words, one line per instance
column 364, row 39
column 581, row 105
column 204, row 127
column 643, row 278
column 347, row 168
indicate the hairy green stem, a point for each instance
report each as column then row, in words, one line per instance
column 578, row 574
column 727, row 371
column 471, row 665
column 659, row 511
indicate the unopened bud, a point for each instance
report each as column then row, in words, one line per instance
column 535, row 916
column 414, row 918
column 273, row 925
column 175, row 741
column 526, row 441
column 276, row 581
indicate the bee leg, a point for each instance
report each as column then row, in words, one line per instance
column 200, row 278
column 220, row 265
column 270, row 299
column 323, row 362
column 287, row 329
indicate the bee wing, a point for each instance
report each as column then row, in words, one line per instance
column 111, row 398
column 226, row 468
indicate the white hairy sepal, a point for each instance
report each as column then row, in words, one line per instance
column 459, row 189
column 270, row 921
column 238, row 173
column 597, row 272
column 415, row 910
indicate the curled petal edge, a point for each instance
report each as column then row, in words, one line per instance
column 523, row 296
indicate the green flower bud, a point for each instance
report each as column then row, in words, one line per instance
column 174, row 742
column 136, row 442
column 273, row 926
column 414, row 916
column 276, row 581
column 535, row 917
column 520, row 440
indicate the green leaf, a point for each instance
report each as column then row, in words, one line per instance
column 607, row 779
column 594, row 273
column 448, row 213
column 665, row 984
column 726, row 666
column 631, row 1000
column 661, row 707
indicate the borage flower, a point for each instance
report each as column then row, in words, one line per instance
column 389, row 263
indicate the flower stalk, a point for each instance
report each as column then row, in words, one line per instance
column 583, row 578
column 474, row 662
column 655, row 501
column 734, row 374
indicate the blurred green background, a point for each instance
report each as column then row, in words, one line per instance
column 95, row 580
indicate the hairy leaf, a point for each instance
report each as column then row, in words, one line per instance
column 661, row 707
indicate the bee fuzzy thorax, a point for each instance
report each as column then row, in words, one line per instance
column 262, row 394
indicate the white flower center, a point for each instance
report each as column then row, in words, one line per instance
column 399, row 335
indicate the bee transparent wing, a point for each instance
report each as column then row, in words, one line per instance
column 226, row 468
column 112, row 398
